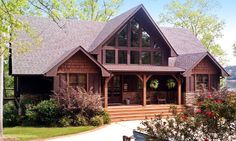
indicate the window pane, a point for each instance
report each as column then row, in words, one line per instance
column 73, row 80
column 157, row 58
column 112, row 42
column 146, row 57
column 146, row 42
column 134, row 34
column 134, row 57
column 202, row 81
column 110, row 56
column 122, row 57
column 123, row 37
column 82, row 80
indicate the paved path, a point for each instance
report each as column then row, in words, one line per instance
column 112, row 132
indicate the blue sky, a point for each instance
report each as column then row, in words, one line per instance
column 226, row 11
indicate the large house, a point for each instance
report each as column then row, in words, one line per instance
column 120, row 59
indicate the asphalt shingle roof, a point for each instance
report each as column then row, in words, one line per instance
column 57, row 42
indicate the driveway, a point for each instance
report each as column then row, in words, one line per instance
column 112, row 132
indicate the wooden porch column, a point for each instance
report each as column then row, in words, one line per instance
column 179, row 92
column 107, row 79
column 144, row 90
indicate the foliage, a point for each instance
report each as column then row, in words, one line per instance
column 106, row 117
column 234, row 49
column 73, row 101
column 96, row 121
column 10, row 114
column 39, row 133
column 98, row 10
column 44, row 113
column 80, row 121
column 214, row 117
column 154, row 84
column 65, row 122
column 195, row 15
column 170, row 83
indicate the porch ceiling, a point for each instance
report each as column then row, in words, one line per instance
column 142, row 68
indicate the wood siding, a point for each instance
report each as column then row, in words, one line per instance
column 79, row 63
column 208, row 67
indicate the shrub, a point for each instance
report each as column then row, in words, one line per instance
column 64, row 122
column 106, row 117
column 214, row 118
column 10, row 114
column 74, row 101
column 44, row 113
column 96, row 121
column 47, row 112
column 80, row 120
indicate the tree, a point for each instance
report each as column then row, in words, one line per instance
column 234, row 49
column 98, row 10
column 195, row 15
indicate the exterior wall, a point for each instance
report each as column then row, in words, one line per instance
column 206, row 66
column 80, row 63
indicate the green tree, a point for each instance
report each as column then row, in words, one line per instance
column 196, row 16
column 234, row 49
column 98, row 10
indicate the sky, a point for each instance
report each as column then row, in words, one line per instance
column 226, row 11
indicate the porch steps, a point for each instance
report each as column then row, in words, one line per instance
column 138, row 112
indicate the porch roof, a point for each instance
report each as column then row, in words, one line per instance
column 142, row 68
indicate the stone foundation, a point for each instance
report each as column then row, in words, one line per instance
column 190, row 98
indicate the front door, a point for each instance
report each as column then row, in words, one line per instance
column 115, row 90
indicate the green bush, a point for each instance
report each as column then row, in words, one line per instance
column 44, row 113
column 106, row 117
column 80, row 120
column 10, row 115
column 47, row 112
column 64, row 122
column 96, row 121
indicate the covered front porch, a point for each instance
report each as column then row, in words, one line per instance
column 134, row 89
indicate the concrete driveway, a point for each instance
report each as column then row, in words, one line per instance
column 112, row 132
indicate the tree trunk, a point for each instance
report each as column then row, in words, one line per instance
column 1, row 91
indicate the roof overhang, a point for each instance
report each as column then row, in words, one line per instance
column 224, row 73
column 52, row 70
column 143, row 69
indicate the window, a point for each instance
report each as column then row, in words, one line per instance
column 201, row 81
column 146, row 57
column 146, row 41
column 157, row 58
column 112, row 42
column 78, row 80
column 134, row 57
column 132, row 83
column 110, row 56
column 134, row 34
column 123, row 37
column 122, row 57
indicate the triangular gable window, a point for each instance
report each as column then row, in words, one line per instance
column 146, row 40
column 123, row 37
column 134, row 33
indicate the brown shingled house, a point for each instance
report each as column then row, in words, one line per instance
column 119, row 59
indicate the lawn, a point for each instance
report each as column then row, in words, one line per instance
column 29, row 133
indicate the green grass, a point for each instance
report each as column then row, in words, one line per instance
column 29, row 133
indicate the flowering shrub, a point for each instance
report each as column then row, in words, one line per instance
column 212, row 117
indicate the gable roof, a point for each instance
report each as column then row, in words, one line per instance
column 189, row 61
column 52, row 70
column 183, row 41
column 115, row 24
column 58, row 43
column 55, row 43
